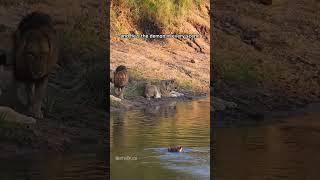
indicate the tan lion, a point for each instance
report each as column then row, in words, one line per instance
column 35, row 55
column 165, row 88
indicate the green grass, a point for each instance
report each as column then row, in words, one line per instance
column 117, row 26
column 136, row 75
column 135, row 88
column 137, row 84
column 186, row 84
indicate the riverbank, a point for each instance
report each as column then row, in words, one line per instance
column 193, row 80
column 151, row 60
column 242, row 117
column 141, row 102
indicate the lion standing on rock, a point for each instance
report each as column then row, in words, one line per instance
column 35, row 56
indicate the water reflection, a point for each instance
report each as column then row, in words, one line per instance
column 146, row 134
column 158, row 111
column 86, row 165
column 285, row 151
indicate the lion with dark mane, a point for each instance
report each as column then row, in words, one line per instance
column 35, row 56
column 121, row 80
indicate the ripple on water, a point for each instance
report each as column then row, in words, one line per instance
column 148, row 133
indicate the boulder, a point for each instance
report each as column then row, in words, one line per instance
column 7, row 114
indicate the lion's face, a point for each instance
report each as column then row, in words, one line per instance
column 35, row 47
column 171, row 85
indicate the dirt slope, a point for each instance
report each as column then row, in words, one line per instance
column 186, row 60
column 267, row 57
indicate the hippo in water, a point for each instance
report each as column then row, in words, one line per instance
column 175, row 149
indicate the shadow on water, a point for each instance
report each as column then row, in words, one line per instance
column 139, row 141
column 87, row 165
column 283, row 151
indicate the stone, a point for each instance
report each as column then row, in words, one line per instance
column 9, row 115
column 113, row 98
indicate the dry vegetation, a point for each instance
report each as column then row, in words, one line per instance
column 149, row 16
column 186, row 60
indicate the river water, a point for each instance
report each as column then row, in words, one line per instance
column 139, row 141
column 143, row 135
column 289, row 150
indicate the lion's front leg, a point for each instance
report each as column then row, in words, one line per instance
column 30, row 91
column 121, row 93
column 40, row 93
column 36, row 92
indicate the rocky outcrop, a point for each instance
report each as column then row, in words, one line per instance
column 7, row 114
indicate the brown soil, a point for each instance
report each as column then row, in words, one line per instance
column 156, row 61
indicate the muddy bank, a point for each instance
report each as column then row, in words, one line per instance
column 251, row 112
column 140, row 102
